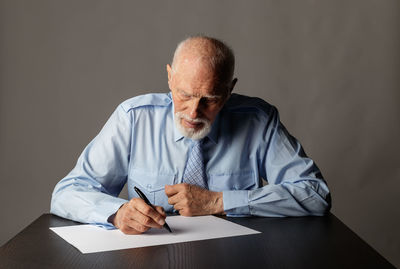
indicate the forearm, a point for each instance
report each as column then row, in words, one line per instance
column 288, row 199
column 79, row 201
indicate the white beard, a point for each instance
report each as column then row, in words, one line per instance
column 191, row 132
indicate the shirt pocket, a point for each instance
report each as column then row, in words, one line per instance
column 152, row 185
column 232, row 181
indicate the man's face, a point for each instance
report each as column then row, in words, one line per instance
column 197, row 99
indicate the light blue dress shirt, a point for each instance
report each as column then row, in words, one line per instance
column 139, row 145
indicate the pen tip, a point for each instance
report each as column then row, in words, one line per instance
column 167, row 227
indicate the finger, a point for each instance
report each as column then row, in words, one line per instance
column 178, row 207
column 172, row 200
column 126, row 220
column 134, row 211
column 161, row 210
column 133, row 227
column 146, row 220
column 149, row 216
column 185, row 212
column 174, row 189
column 171, row 190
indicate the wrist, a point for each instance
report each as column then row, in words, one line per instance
column 112, row 218
column 218, row 204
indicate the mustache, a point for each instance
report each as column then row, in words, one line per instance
column 181, row 115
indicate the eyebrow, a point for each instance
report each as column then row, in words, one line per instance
column 205, row 96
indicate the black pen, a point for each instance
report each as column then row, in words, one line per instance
column 141, row 195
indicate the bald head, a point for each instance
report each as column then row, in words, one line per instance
column 209, row 53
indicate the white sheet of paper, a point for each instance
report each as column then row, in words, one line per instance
column 90, row 238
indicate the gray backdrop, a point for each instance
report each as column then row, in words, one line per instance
column 331, row 67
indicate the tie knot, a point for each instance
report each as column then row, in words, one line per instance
column 197, row 146
column 198, row 142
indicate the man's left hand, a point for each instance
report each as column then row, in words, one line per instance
column 191, row 200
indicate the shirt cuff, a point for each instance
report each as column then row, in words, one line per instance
column 107, row 209
column 236, row 202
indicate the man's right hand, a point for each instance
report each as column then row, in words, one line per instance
column 136, row 217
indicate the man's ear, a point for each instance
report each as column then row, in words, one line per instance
column 233, row 85
column 169, row 71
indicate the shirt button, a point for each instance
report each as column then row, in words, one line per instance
column 148, row 186
column 166, row 100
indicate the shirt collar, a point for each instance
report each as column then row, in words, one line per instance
column 213, row 135
column 177, row 135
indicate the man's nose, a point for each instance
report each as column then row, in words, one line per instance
column 194, row 108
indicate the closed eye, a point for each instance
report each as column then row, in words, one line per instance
column 183, row 95
column 211, row 100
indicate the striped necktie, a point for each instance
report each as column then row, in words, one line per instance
column 194, row 171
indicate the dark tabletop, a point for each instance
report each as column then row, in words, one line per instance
column 306, row 242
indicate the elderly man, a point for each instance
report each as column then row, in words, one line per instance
column 197, row 150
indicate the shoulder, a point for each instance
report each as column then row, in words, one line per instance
column 147, row 100
column 238, row 103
